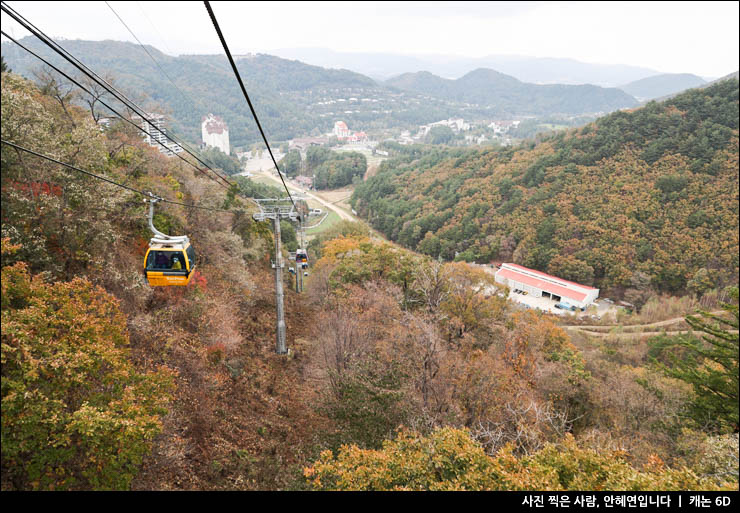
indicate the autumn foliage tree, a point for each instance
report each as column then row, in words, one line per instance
column 76, row 414
column 620, row 196
column 449, row 459
column 406, row 340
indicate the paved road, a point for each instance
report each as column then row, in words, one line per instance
column 341, row 213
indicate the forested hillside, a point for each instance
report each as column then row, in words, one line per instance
column 638, row 199
column 662, row 85
column 507, row 96
column 296, row 99
column 108, row 383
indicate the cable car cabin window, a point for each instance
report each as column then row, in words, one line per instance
column 166, row 261
column 191, row 256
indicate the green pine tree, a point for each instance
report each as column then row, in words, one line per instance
column 709, row 365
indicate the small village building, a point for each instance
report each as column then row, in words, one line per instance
column 341, row 130
column 357, row 137
column 302, row 143
column 540, row 284
column 304, row 181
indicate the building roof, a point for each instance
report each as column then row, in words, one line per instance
column 341, row 124
column 214, row 124
column 549, row 276
column 545, row 282
column 541, row 284
column 299, row 141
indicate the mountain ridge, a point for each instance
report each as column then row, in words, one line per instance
column 293, row 98
column 383, row 66
column 662, row 85
column 514, row 97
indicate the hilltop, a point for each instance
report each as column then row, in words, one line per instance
column 729, row 76
column 662, row 85
column 536, row 70
column 505, row 95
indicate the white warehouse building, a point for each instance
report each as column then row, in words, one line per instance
column 539, row 284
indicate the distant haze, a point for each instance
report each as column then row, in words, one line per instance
column 661, row 37
column 383, row 66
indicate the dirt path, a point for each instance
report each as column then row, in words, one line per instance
column 651, row 325
column 638, row 334
column 589, row 330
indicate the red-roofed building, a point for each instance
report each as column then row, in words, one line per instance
column 358, row 137
column 540, row 284
column 341, row 130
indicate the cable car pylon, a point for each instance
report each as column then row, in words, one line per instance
column 276, row 210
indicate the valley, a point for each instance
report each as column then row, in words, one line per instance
column 520, row 274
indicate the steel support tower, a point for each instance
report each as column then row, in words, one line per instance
column 276, row 210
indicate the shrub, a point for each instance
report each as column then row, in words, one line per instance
column 76, row 414
column 448, row 459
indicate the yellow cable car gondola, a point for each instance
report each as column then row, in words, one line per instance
column 301, row 258
column 169, row 260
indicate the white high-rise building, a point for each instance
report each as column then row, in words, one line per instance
column 154, row 133
column 215, row 133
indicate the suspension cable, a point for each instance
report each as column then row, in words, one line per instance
column 124, row 118
column 70, row 166
column 161, row 69
column 244, row 90
column 143, row 47
column 100, row 81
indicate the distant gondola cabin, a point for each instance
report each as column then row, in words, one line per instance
column 301, row 256
column 169, row 263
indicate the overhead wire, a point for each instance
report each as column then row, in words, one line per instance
column 75, row 82
column 111, row 90
column 123, row 118
column 88, row 173
column 143, row 47
column 162, row 39
column 195, row 103
column 244, row 91
column 161, row 69
column 103, row 83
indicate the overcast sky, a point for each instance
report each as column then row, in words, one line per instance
column 671, row 37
